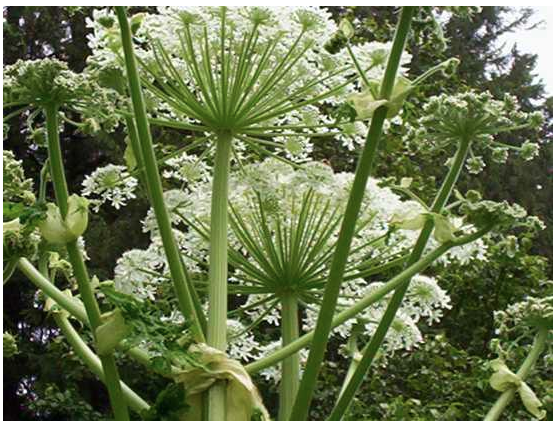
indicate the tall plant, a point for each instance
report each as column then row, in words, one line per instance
column 244, row 83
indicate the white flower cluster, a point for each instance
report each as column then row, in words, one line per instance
column 274, row 373
column 305, row 29
column 525, row 317
column 136, row 273
column 424, row 299
column 110, row 183
column 49, row 81
column 241, row 343
column 279, row 191
column 15, row 186
column 186, row 169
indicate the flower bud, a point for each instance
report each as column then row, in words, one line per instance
column 529, row 150
column 346, row 28
column 499, row 155
column 57, row 230
column 475, row 165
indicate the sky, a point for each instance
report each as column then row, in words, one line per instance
column 537, row 41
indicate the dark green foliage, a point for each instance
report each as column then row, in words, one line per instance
column 170, row 404
column 168, row 343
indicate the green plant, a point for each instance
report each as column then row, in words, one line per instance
column 206, row 81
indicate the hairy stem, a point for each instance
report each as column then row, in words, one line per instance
column 153, row 181
column 507, row 396
column 112, row 380
column 347, row 395
column 342, row 248
column 290, row 366
column 218, row 269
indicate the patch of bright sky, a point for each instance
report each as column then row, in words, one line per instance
column 537, row 41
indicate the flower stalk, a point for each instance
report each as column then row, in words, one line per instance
column 69, row 304
column 291, row 365
column 364, row 168
column 371, row 349
column 108, row 361
column 92, row 361
column 153, row 181
column 365, row 302
column 218, row 268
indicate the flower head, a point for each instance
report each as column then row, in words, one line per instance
column 478, row 118
column 110, row 183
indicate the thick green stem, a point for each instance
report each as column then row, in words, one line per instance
column 154, row 183
column 347, row 395
column 342, row 248
column 218, row 269
column 290, row 377
column 112, row 382
column 138, row 155
column 507, row 396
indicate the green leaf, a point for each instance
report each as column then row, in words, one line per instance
column 170, row 404
column 504, row 379
column 366, row 103
column 11, row 210
column 56, row 230
column 531, row 401
column 409, row 220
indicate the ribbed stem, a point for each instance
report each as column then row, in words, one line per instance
column 346, row 397
column 154, row 183
column 138, row 155
column 507, row 396
column 342, row 248
column 112, row 382
column 218, row 269
column 290, row 378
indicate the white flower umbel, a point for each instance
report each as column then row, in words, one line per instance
column 484, row 120
column 109, row 184
column 273, row 71
column 137, row 272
